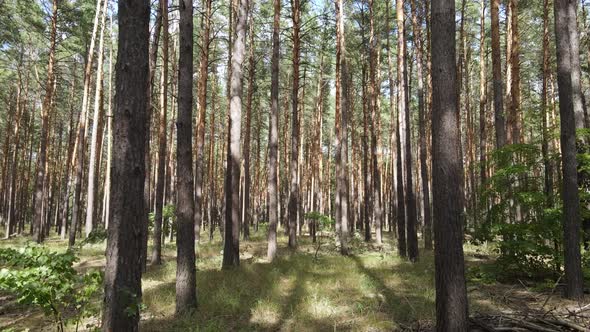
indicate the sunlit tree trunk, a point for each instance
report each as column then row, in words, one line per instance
column 93, row 164
column 231, row 251
column 79, row 146
column 342, row 105
column 273, row 136
column 499, row 121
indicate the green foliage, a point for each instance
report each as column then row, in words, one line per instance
column 519, row 215
column 324, row 222
column 39, row 277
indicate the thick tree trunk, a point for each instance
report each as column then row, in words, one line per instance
column 273, row 136
column 186, row 292
column 123, row 266
column 568, row 80
column 451, row 293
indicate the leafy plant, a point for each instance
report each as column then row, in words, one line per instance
column 518, row 214
column 323, row 222
column 48, row 280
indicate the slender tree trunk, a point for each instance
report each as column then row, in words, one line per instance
column 451, row 293
column 186, row 292
column 273, row 136
column 483, row 97
column 417, row 23
column 200, row 144
column 499, row 121
column 148, row 133
column 293, row 163
column 341, row 128
column 402, row 173
column 79, row 146
column 93, row 165
column 162, row 140
column 45, row 111
column 412, row 220
column 123, row 266
column 247, row 137
column 231, row 250
column 568, row 81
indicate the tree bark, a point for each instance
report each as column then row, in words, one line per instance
column 342, row 105
column 79, row 146
column 417, row 23
column 186, row 292
column 123, row 266
column 402, row 173
column 162, row 140
column 293, row 163
column 93, row 165
column 499, row 121
column 273, row 136
column 451, row 293
column 45, row 112
column 568, row 81
column 204, row 74
column 231, row 249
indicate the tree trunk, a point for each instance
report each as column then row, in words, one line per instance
column 93, row 165
column 417, row 23
column 123, row 266
column 162, row 140
column 341, row 128
column 199, row 162
column 45, row 111
column 483, row 98
column 401, row 134
column 79, row 146
column 186, row 292
column 246, row 215
column 273, row 136
column 293, row 163
column 231, row 249
column 451, row 293
column 499, row 121
column 568, row 80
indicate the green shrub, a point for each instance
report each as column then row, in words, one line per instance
column 45, row 279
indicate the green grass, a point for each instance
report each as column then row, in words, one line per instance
column 371, row 290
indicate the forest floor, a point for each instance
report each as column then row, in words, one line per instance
column 370, row 290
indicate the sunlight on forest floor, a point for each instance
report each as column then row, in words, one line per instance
column 371, row 290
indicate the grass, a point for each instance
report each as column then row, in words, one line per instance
column 371, row 290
